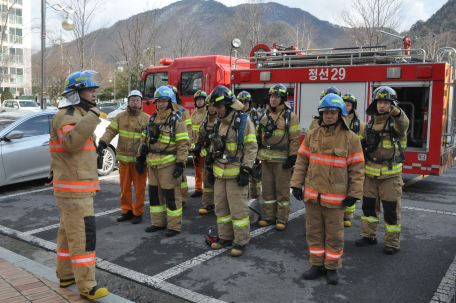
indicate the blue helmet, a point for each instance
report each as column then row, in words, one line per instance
column 332, row 102
column 81, row 79
column 165, row 92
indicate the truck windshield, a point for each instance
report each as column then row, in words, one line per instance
column 154, row 81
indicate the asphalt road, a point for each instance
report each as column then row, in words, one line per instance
column 147, row 267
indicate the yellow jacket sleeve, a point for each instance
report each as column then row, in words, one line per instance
column 250, row 144
column 73, row 136
column 111, row 131
column 294, row 134
column 182, row 141
column 302, row 163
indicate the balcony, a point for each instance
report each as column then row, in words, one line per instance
column 12, row 59
column 16, row 79
column 12, row 19
column 13, row 39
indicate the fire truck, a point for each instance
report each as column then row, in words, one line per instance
column 424, row 88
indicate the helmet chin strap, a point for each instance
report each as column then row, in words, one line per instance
column 320, row 121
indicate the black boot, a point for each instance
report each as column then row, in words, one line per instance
column 313, row 273
column 152, row 228
column 136, row 220
column 332, row 277
column 196, row 194
column 171, row 233
column 221, row 243
column 390, row 250
column 207, row 209
column 365, row 242
column 125, row 217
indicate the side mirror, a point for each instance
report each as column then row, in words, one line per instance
column 15, row 134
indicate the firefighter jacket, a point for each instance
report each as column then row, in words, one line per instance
column 169, row 148
column 282, row 144
column 330, row 166
column 236, row 156
column 362, row 125
column 313, row 125
column 386, row 149
column 209, row 127
column 184, row 115
column 73, row 153
column 129, row 127
column 197, row 118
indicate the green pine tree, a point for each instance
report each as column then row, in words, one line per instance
column 7, row 94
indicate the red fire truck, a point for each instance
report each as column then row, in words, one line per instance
column 425, row 88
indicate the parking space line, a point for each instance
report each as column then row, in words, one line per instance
column 118, row 270
column 178, row 269
column 441, row 212
column 446, row 290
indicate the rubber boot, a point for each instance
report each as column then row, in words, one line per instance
column 96, row 293
column 207, row 209
column 152, row 228
column 390, row 250
column 196, row 194
column 332, row 277
column 221, row 244
column 365, row 242
column 313, row 273
column 281, row 226
column 264, row 222
column 66, row 283
column 125, row 217
column 238, row 250
column 171, row 233
column 347, row 222
column 136, row 219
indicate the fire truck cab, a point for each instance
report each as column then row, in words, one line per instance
column 424, row 88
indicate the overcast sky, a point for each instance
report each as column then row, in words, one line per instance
column 322, row 9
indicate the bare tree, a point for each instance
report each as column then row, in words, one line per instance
column 432, row 44
column 186, row 33
column 303, row 33
column 86, row 11
column 362, row 18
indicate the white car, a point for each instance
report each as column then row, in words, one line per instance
column 16, row 104
column 114, row 113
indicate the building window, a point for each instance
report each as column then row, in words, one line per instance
column 16, row 75
column 15, row 35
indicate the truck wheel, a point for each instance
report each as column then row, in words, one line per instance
column 109, row 162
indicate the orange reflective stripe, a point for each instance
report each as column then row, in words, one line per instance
column 329, row 198
column 328, row 160
column 311, row 194
column 304, row 150
column 317, row 251
column 76, row 186
column 64, row 129
column 83, row 260
column 359, row 157
column 88, row 145
column 332, row 255
column 55, row 146
column 63, row 254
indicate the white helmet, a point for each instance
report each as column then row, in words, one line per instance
column 135, row 93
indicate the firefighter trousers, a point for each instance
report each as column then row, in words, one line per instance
column 166, row 210
column 184, row 186
column 325, row 235
column 232, row 211
column 76, row 242
column 198, row 174
column 387, row 192
column 208, row 189
column 255, row 187
column 349, row 212
column 276, row 191
column 128, row 175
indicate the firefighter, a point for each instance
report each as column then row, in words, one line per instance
column 328, row 176
column 385, row 139
column 280, row 132
column 197, row 117
column 246, row 99
column 204, row 132
column 129, row 126
column 329, row 90
column 75, row 181
column 232, row 153
column 185, row 116
column 164, row 145
column 357, row 126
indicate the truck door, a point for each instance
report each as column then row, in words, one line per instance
column 190, row 81
column 152, row 82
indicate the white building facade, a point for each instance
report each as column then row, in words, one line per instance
column 16, row 50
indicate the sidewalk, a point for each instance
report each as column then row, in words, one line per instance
column 24, row 280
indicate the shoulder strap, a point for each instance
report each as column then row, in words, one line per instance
column 287, row 116
column 152, row 118
column 240, row 136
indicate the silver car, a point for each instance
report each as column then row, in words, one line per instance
column 24, row 146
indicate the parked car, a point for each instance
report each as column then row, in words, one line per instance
column 107, row 107
column 113, row 114
column 24, row 146
column 16, row 104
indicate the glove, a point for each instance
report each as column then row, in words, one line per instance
column 349, row 201
column 178, row 170
column 196, row 149
column 244, row 176
column 395, row 111
column 140, row 164
column 209, row 159
column 196, row 159
column 143, row 150
column 297, row 193
column 101, row 146
column 290, row 162
column 210, row 177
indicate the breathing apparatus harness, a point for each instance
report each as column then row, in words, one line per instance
column 267, row 125
column 374, row 137
column 153, row 131
column 354, row 125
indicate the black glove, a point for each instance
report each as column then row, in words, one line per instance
column 196, row 149
column 196, row 159
column 101, row 146
column 244, row 176
column 297, row 193
column 209, row 159
column 349, row 201
column 140, row 164
column 210, row 177
column 143, row 150
column 290, row 162
column 178, row 170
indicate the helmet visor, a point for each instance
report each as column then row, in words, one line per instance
column 323, row 109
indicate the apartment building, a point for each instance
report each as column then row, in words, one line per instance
column 16, row 46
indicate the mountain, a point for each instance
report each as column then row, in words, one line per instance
column 444, row 20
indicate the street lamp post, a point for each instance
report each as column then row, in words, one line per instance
column 67, row 24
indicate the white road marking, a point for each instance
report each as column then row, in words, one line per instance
column 119, row 270
column 442, row 212
column 446, row 290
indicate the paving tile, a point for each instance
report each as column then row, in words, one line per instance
column 19, row 277
column 49, row 299
column 25, row 281
column 29, row 286
column 15, row 300
column 78, row 300
column 9, row 294
column 34, row 290
column 36, row 296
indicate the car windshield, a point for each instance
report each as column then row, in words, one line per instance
column 28, row 104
